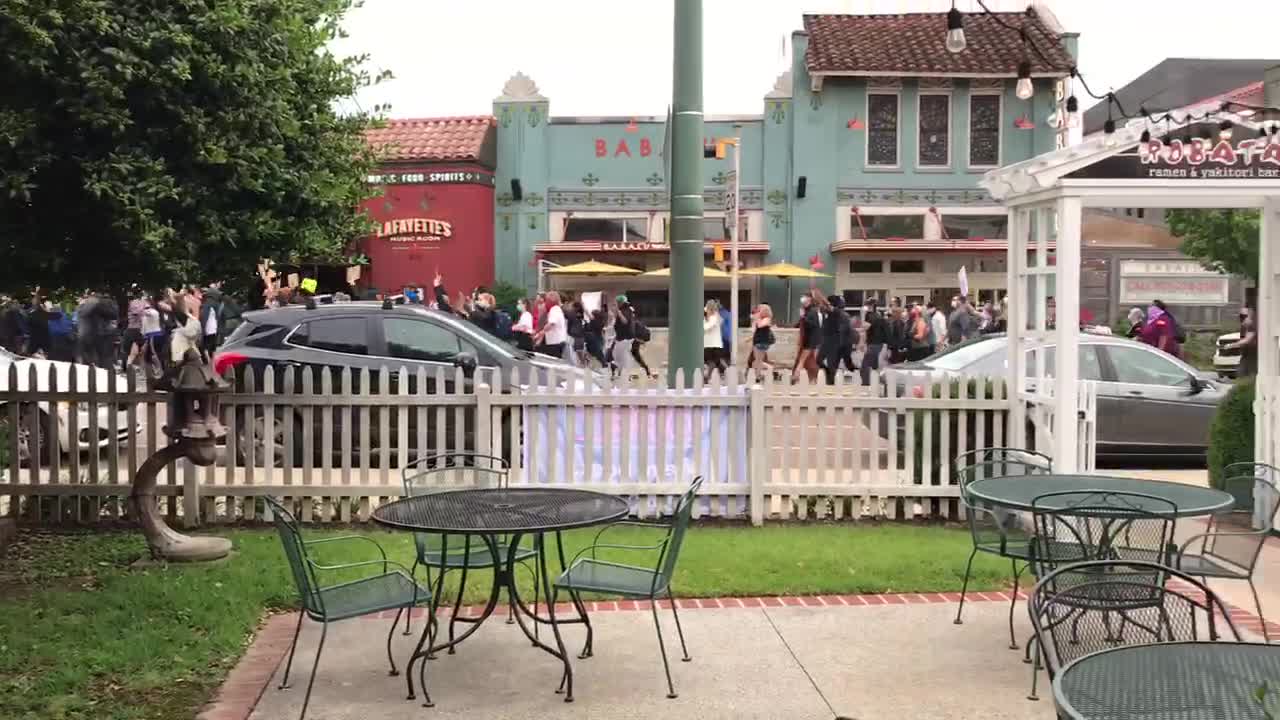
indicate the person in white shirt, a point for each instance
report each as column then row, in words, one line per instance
column 554, row 334
column 937, row 328
column 188, row 334
column 712, row 340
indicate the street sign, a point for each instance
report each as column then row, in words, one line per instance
column 731, row 201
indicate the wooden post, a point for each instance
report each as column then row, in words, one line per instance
column 484, row 417
column 758, row 444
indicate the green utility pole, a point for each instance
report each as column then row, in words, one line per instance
column 685, row 350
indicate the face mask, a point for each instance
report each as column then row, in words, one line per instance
column 520, row 307
column 804, row 302
column 955, row 303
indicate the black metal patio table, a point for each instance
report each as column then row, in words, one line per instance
column 511, row 512
column 1170, row 681
column 1018, row 492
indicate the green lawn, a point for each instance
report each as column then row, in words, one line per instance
column 82, row 635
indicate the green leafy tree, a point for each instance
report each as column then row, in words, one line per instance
column 162, row 140
column 1226, row 240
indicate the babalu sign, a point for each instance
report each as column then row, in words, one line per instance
column 1248, row 159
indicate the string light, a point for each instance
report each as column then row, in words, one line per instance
column 1025, row 87
column 955, row 30
column 1224, row 129
column 1146, row 136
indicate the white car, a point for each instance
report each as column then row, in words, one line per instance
column 1226, row 362
column 103, row 380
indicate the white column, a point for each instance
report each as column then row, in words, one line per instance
column 1067, row 363
column 1015, row 289
column 1268, row 313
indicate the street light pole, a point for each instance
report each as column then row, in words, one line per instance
column 685, row 349
column 731, row 216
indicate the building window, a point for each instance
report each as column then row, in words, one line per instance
column 627, row 229
column 866, row 266
column 855, row 299
column 984, row 130
column 976, row 227
column 935, row 128
column 882, row 129
column 906, row 266
column 880, row 227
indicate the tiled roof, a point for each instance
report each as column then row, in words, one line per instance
column 914, row 44
column 442, row 139
column 1251, row 94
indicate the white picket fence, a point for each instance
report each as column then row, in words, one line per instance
column 336, row 444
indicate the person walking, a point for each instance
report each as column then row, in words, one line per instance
column 1159, row 332
column 575, row 316
column 762, row 337
column 623, row 336
column 210, row 319
column 593, row 337
column 523, row 327
column 1137, row 320
column 554, row 333
column 937, row 326
column 133, row 339
column 810, row 337
column 726, row 336
column 877, row 337
column 919, row 335
column 899, row 335
column 958, row 322
column 1247, row 344
column 712, row 340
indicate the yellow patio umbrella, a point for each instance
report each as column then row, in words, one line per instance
column 591, row 267
column 707, row 272
column 786, row 271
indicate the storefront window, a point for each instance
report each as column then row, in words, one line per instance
column 974, row 227
column 984, row 130
column 882, row 129
column 935, row 125
column 632, row 229
column 855, row 299
column 713, row 229
column 906, row 266
column 880, row 227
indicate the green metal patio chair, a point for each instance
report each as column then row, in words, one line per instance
column 1231, row 546
column 461, row 471
column 994, row 531
column 393, row 588
column 591, row 574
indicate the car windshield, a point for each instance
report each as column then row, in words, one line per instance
column 965, row 354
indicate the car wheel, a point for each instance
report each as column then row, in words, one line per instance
column 258, row 424
column 23, row 433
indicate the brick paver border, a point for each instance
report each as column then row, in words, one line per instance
column 243, row 688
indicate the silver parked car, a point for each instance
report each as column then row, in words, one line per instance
column 1149, row 403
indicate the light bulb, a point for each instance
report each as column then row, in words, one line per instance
column 1111, row 140
column 955, row 31
column 1073, row 120
column 1054, row 119
column 1025, row 87
column 1225, row 134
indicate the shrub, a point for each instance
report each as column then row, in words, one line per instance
column 1231, row 434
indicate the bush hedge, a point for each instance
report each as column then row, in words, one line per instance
column 1231, row 433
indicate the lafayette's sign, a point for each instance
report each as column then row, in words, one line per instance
column 1248, row 159
column 409, row 230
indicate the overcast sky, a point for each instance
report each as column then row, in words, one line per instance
column 613, row 57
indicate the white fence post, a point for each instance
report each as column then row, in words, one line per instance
column 758, row 470
column 484, row 417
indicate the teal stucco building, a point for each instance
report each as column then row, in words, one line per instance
column 864, row 158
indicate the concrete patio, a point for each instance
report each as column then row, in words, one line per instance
column 863, row 657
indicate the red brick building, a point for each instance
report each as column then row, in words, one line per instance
column 435, row 212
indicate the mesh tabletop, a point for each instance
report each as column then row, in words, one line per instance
column 488, row 511
column 1019, row 491
column 1169, row 681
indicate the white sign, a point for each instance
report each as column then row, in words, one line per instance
column 1182, row 282
column 964, row 281
column 591, row 301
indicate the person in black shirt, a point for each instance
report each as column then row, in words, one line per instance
column 810, row 337
column 837, row 340
column 877, row 338
column 593, row 336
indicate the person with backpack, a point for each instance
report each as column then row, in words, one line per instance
column 877, row 337
column 1160, row 331
column 593, row 337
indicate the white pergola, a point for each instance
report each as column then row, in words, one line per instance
column 1045, row 197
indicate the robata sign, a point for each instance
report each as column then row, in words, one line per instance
column 1249, row 159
